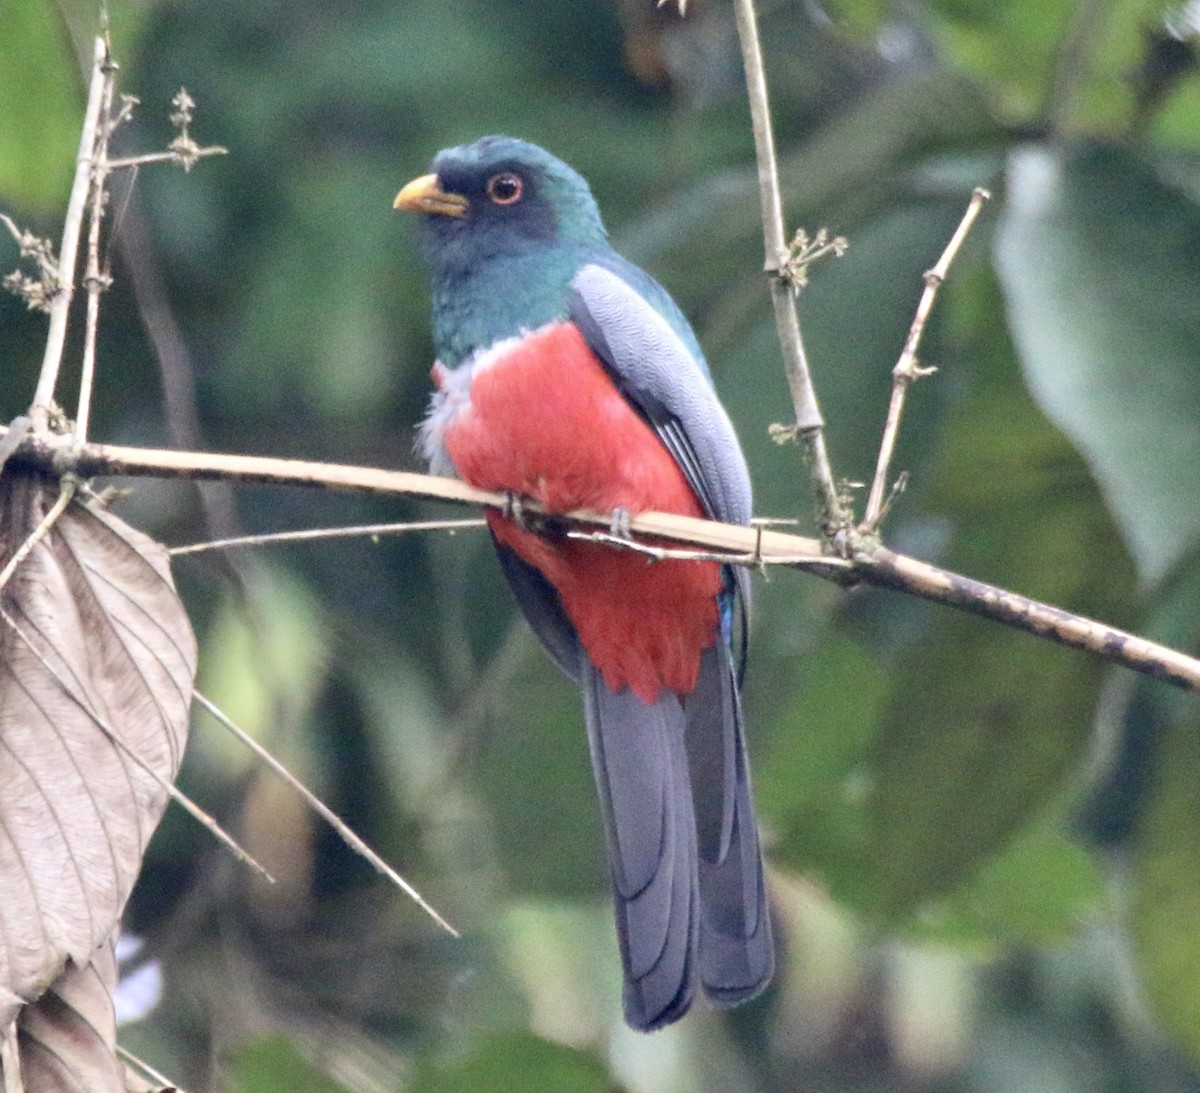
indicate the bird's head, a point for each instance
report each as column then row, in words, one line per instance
column 502, row 195
column 506, row 225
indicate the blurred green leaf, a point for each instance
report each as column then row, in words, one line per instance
column 519, row 1061
column 41, row 106
column 263, row 665
column 1098, row 263
column 533, row 770
column 1054, row 58
column 1035, row 892
column 811, row 783
column 273, row 1064
column 1166, row 898
column 986, row 722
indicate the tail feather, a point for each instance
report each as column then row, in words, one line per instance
column 736, row 951
column 642, row 775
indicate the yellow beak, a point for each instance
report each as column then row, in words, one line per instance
column 425, row 195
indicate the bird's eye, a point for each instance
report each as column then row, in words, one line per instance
column 505, row 188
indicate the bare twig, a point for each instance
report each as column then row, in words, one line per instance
column 326, row 813
column 810, row 426
column 871, row 564
column 185, row 158
column 930, row 582
column 60, row 306
column 145, row 1068
column 907, row 369
column 306, row 534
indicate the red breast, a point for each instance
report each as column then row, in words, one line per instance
column 544, row 420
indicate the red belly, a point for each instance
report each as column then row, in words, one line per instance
column 546, row 422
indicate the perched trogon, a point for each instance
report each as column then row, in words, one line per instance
column 567, row 375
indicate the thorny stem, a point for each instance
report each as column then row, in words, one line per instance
column 907, row 369
column 810, row 426
column 60, row 306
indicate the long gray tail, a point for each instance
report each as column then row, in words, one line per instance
column 682, row 843
column 737, row 955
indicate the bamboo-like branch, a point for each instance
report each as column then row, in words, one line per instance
column 810, row 426
column 750, row 546
column 907, row 370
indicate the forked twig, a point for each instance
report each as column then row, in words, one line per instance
column 326, row 813
column 66, row 491
column 908, row 370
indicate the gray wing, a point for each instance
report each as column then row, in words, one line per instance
column 634, row 327
column 662, row 373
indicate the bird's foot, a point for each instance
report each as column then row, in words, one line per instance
column 514, row 510
column 619, row 524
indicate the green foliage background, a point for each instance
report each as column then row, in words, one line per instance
column 985, row 850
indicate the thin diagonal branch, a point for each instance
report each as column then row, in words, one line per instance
column 907, row 370
column 314, row 802
column 308, row 534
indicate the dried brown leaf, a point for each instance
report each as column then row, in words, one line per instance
column 68, row 1036
column 97, row 660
